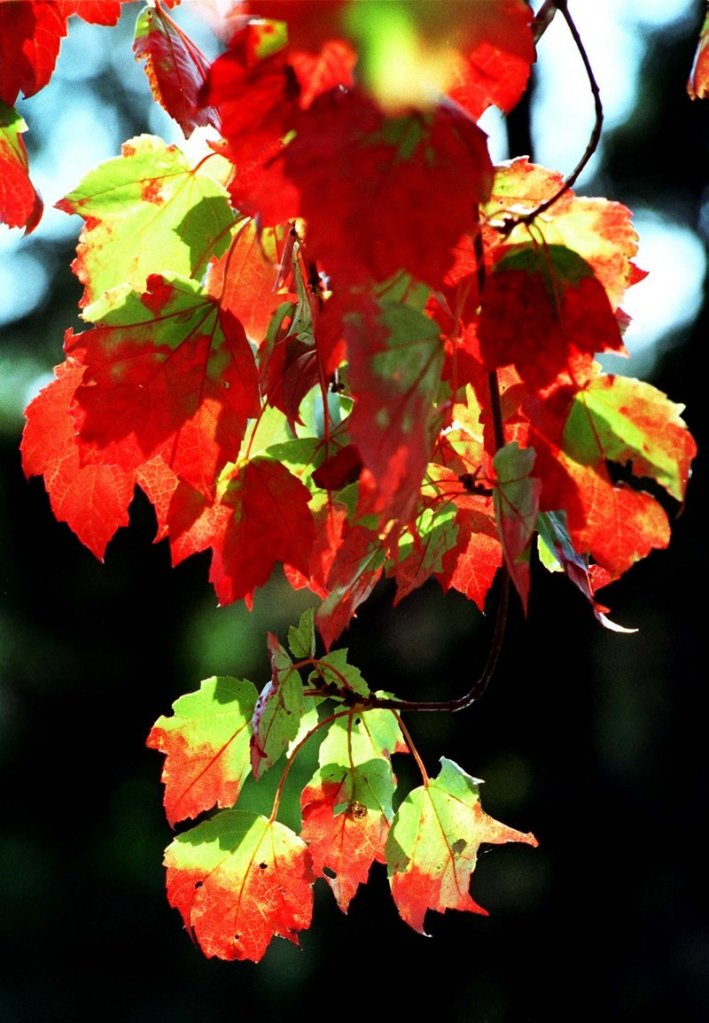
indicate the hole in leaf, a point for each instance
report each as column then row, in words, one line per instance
column 198, row 884
column 327, row 872
column 263, row 866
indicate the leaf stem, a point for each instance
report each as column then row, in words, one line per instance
column 294, row 753
column 412, row 749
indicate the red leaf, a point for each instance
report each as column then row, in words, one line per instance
column 31, row 32
column 565, row 311
column 168, row 373
column 497, row 41
column 361, row 176
column 698, row 84
column 92, row 499
column 239, row 880
column 175, row 68
column 258, row 493
column 20, row 203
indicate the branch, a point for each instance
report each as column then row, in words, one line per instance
column 561, row 5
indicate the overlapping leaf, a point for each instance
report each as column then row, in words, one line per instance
column 347, row 806
column 166, row 372
column 147, row 211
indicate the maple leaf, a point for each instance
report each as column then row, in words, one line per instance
column 20, row 203
column 278, row 712
column 92, row 499
column 630, row 421
column 146, row 211
column 347, row 805
column 206, row 742
column 31, row 32
column 395, row 357
column 166, row 372
column 433, row 845
column 245, row 553
column 176, row 69
column 238, row 880
column 598, row 230
column 360, row 176
column 565, row 310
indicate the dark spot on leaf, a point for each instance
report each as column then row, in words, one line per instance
column 357, row 811
column 262, row 866
column 327, row 872
column 198, row 884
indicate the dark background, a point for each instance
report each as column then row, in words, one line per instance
column 594, row 741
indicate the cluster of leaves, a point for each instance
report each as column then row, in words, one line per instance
column 240, row 877
column 345, row 342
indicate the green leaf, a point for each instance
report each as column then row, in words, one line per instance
column 147, row 211
column 516, row 498
column 206, row 742
column 627, row 420
column 433, row 845
column 335, row 670
column 301, row 637
column 278, row 711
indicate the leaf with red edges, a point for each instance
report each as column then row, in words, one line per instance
column 92, row 499
column 20, row 203
column 206, row 746
column 147, row 211
column 166, row 372
column 175, row 67
column 239, row 880
column 347, row 805
column 631, row 422
column 598, row 230
column 278, row 711
column 433, row 845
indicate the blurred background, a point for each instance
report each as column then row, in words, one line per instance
column 594, row 741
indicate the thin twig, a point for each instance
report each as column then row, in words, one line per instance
column 511, row 223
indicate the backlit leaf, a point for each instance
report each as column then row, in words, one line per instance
column 239, row 880
column 20, row 204
column 433, row 845
column 277, row 714
column 206, row 742
column 175, row 68
column 146, row 211
column 166, row 372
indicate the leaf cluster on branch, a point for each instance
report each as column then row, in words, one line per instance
column 344, row 342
